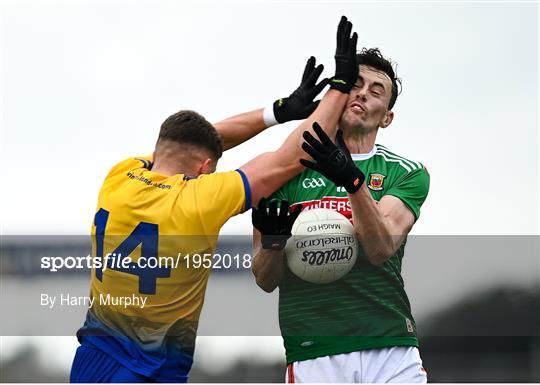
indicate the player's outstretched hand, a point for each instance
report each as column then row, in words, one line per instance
column 346, row 65
column 331, row 160
column 275, row 228
column 300, row 104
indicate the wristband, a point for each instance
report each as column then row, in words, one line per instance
column 269, row 117
column 273, row 242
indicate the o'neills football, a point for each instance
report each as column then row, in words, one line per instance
column 323, row 247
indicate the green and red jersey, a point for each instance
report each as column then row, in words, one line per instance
column 368, row 308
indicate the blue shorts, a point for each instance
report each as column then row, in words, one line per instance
column 92, row 365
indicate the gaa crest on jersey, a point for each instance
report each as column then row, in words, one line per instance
column 313, row 183
column 376, row 181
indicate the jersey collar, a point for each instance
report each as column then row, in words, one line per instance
column 366, row 155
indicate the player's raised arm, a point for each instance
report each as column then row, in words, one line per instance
column 269, row 171
column 298, row 105
column 269, row 260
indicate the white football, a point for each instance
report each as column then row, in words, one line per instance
column 323, row 247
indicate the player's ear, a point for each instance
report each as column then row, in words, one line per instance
column 207, row 167
column 385, row 122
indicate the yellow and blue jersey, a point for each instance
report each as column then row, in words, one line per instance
column 146, row 216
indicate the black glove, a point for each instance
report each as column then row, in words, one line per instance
column 275, row 228
column 300, row 104
column 346, row 65
column 334, row 162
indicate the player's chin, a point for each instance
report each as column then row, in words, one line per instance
column 350, row 120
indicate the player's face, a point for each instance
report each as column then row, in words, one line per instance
column 367, row 107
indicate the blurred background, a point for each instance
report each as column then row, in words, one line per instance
column 84, row 84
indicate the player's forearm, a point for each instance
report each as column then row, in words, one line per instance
column 268, row 268
column 269, row 171
column 240, row 128
column 327, row 115
column 372, row 228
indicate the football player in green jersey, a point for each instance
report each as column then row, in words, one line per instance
column 360, row 327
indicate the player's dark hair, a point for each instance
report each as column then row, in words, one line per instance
column 372, row 57
column 189, row 127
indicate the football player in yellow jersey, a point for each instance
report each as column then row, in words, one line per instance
column 143, row 321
